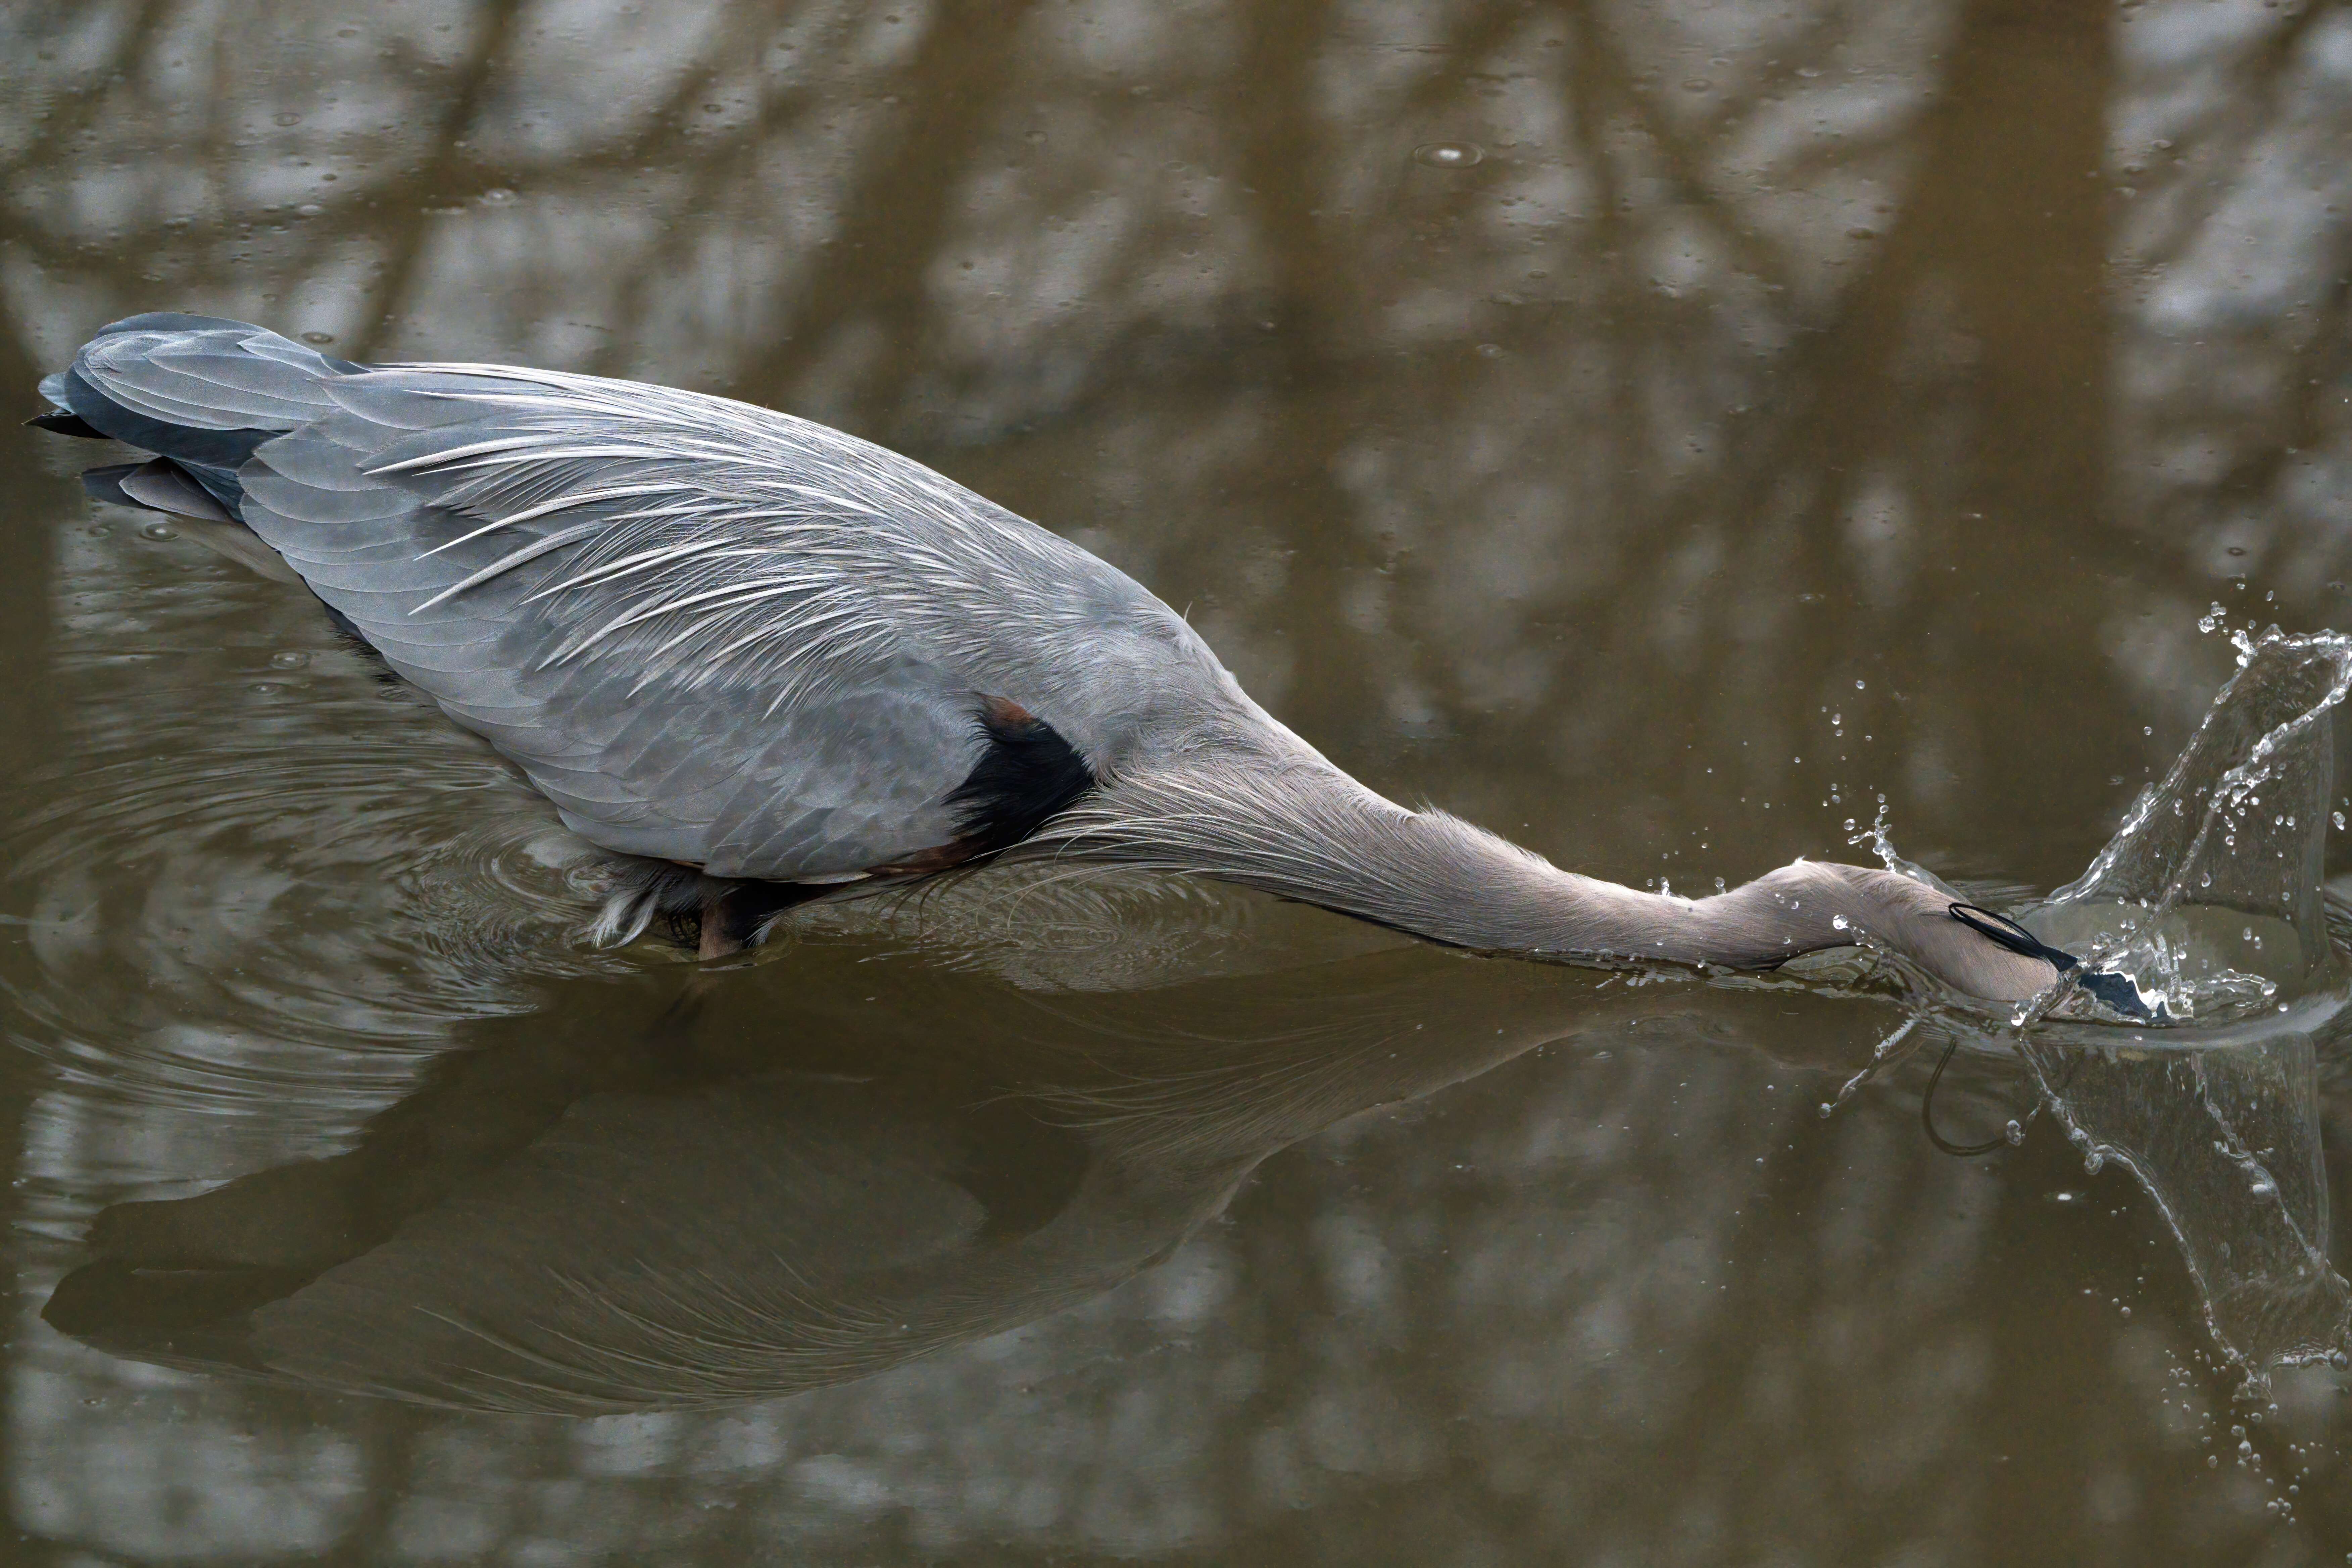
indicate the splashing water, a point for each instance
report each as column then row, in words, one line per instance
column 2210, row 893
column 2211, row 898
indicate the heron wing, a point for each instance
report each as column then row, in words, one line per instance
column 706, row 632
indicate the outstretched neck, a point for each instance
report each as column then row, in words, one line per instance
column 1305, row 830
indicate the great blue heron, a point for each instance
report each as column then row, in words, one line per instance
column 767, row 662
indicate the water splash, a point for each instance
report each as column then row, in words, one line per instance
column 2211, row 897
column 2210, row 892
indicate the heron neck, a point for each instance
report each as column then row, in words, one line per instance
column 1309, row 832
column 1295, row 825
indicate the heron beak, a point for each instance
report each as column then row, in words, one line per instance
column 2121, row 993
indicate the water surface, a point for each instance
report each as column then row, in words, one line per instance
column 1787, row 411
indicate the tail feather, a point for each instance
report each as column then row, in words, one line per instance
column 164, row 485
column 161, row 485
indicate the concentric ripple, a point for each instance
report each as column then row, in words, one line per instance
column 251, row 857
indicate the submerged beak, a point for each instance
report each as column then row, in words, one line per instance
column 2122, row 993
column 2117, row 992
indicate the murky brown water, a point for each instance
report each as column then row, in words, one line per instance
column 1793, row 405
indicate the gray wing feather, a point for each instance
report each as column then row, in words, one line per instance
column 706, row 632
column 223, row 378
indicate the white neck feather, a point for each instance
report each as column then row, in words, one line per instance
column 1303, row 829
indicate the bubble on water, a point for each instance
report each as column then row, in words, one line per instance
column 2014, row 1132
column 159, row 530
column 496, row 196
column 1449, row 155
column 265, row 688
column 1699, row 84
column 2339, row 1358
column 286, row 119
column 290, row 659
column 318, row 337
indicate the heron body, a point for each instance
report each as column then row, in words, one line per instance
column 769, row 661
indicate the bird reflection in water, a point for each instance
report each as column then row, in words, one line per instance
column 567, row 1217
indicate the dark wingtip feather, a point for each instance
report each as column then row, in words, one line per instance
column 60, row 422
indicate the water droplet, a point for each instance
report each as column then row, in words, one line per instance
column 2094, row 1162
column 1449, row 155
column 159, row 530
column 1826, row 1108
column 2014, row 1132
column 1838, row 922
column 2126, row 1311
column 2339, row 1358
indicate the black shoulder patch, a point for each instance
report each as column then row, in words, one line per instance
column 1027, row 774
